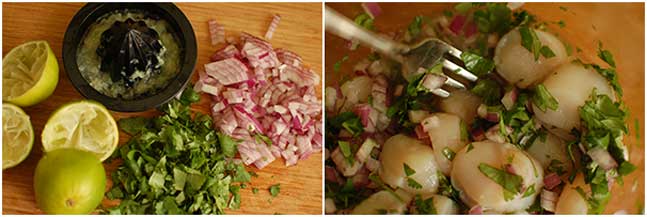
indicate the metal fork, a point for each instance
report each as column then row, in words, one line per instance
column 425, row 54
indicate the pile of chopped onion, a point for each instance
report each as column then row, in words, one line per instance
column 265, row 98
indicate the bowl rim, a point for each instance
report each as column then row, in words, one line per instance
column 74, row 35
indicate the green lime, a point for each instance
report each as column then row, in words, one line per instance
column 69, row 181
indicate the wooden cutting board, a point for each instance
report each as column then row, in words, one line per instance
column 299, row 30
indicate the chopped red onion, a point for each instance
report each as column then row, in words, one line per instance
column 252, row 95
column 478, row 134
column 551, row 181
column 476, row 210
column 420, row 133
column 494, row 134
column 216, row 32
column 372, row 9
column 457, row 24
column 270, row 30
column 470, row 29
column 509, row 98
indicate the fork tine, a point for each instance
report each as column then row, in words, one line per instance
column 440, row 92
column 454, row 83
column 454, row 51
column 459, row 70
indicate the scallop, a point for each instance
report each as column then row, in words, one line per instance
column 443, row 205
column 400, row 150
column 447, row 138
column 571, row 85
column 384, row 201
column 462, row 103
column 477, row 189
column 518, row 66
column 550, row 149
column 570, row 201
column 356, row 91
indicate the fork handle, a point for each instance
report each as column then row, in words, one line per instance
column 343, row 27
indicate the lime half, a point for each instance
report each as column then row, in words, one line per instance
column 29, row 73
column 84, row 125
column 17, row 135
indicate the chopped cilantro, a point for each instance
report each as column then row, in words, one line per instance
column 606, row 55
column 407, row 170
column 469, row 147
column 275, row 190
column 476, row 64
column 625, row 168
column 337, row 65
column 412, row 183
column 529, row 191
column 425, row 206
column 561, row 23
column 254, row 190
column 463, row 7
column 364, row 20
column 546, row 52
column 489, row 90
column 563, row 8
column 176, row 163
column 543, row 99
column 346, row 151
column 530, row 41
column 511, row 183
column 494, row 18
column 448, row 13
column 262, row 139
column 415, row 27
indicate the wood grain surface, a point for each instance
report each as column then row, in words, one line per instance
column 619, row 26
column 299, row 30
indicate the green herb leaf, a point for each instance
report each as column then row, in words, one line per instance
column 626, row 168
column 412, row 183
column 463, row 7
column 275, row 190
column 543, row 99
column 529, row 191
column 530, row 41
column 606, row 55
column 415, row 27
column 476, row 64
column 346, row 151
column 260, row 138
column 254, row 190
column 189, row 95
column 407, row 170
column 337, row 65
column 469, row 147
column 133, row 125
column 364, row 20
column 425, row 206
column 489, row 90
column 546, row 52
column 354, row 126
column 494, row 18
column 509, row 182
column 227, row 144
